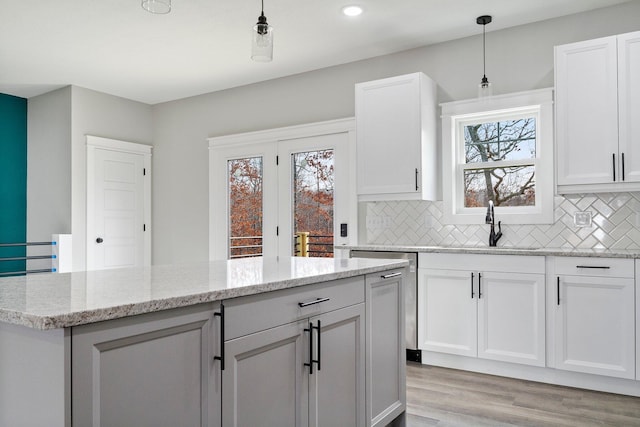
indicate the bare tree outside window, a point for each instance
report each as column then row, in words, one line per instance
column 500, row 166
column 313, row 192
column 245, row 207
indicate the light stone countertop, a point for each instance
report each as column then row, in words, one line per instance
column 50, row 300
column 502, row 250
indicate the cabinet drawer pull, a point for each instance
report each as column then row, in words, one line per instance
column 622, row 166
column 614, row 167
column 389, row 276
column 416, row 179
column 479, row 285
column 601, row 267
column 558, row 290
column 221, row 357
column 315, row 301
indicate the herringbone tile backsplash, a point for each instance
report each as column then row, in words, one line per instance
column 615, row 225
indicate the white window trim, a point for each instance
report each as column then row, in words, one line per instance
column 454, row 114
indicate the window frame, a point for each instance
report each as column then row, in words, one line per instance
column 455, row 115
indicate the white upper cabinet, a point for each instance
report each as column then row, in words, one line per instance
column 597, row 95
column 629, row 103
column 396, row 138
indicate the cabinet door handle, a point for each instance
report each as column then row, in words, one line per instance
column 311, row 359
column 479, row 285
column 558, row 290
column 614, row 166
column 221, row 357
column 389, row 276
column 315, row 301
column 622, row 166
column 602, row 267
column 472, row 293
column 416, row 179
column 319, row 346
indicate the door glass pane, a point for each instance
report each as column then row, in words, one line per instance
column 245, row 207
column 313, row 179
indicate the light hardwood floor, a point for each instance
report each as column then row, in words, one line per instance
column 447, row 397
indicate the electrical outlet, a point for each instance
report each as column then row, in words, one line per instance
column 582, row 219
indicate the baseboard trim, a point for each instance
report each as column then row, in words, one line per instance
column 533, row 373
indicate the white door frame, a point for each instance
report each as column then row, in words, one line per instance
column 94, row 143
column 218, row 227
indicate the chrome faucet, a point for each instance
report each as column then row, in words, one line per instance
column 491, row 219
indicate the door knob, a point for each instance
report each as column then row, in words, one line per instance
column 99, row 240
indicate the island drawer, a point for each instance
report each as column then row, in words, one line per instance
column 594, row 266
column 250, row 314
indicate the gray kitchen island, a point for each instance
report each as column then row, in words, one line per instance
column 255, row 341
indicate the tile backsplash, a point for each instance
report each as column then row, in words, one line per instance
column 615, row 224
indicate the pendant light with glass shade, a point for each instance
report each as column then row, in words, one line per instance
column 159, row 7
column 484, row 88
column 262, row 41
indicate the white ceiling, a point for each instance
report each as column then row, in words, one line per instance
column 115, row 46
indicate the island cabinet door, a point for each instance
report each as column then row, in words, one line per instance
column 336, row 384
column 151, row 370
column 386, row 354
column 265, row 381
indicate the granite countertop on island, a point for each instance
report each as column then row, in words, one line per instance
column 501, row 250
column 50, row 301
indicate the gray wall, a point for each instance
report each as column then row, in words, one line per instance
column 99, row 114
column 49, row 165
column 518, row 59
column 56, row 169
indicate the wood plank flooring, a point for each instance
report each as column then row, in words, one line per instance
column 448, row 397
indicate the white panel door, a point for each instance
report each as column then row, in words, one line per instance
column 587, row 112
column 447, row 311
column 511, row 318
column 595, row 325
column 118, row 200
column 629, row 100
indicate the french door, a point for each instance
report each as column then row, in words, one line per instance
column 283, row 197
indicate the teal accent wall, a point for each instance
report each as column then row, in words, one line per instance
column 13, row 179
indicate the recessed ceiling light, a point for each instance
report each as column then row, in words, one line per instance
column 352, row 10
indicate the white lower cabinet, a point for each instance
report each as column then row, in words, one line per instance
column 594, row 315
column 161, row 361
column 485, row 306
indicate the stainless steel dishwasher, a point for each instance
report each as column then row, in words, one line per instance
column 411, row 296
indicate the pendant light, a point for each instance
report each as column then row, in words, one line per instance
column 159, row 7
column 484, row 88
column 262, row 41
